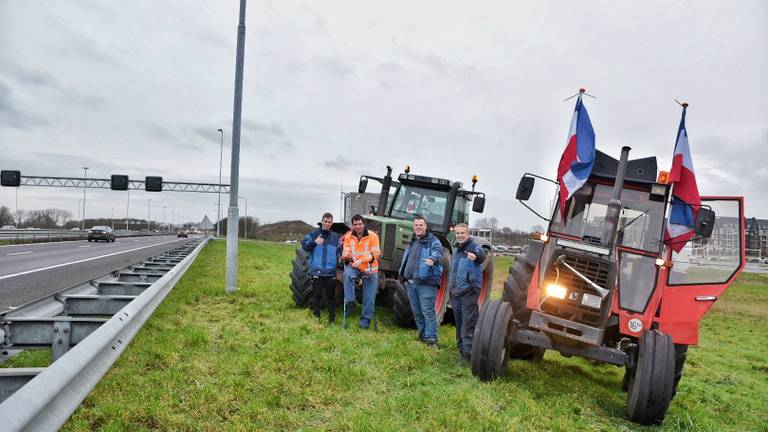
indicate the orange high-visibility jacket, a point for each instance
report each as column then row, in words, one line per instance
column 365, row 248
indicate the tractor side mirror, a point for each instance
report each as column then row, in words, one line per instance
column 478, row 204
column 705, row 222
column 525, row 188
column 363, row 185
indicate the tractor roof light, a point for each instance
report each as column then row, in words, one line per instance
column 541, row 237
column 663, row 263
column 663, row 177
column 407, row 169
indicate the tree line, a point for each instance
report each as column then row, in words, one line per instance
column 507, row 235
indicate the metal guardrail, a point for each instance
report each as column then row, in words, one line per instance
column 41, row 235
column 42, row 399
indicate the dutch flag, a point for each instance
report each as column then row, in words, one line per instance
column 578, row 159
column 685, row 194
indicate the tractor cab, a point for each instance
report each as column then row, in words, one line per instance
column 441, row 202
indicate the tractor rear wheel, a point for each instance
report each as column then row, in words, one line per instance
column 516, row 293
column 681, row 352
column 443, row 296
column 401, row 305
column 301, row 283
column 651, row 385
column 489, row 347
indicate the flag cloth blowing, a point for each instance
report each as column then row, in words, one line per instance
column 685, row 194
column 578, row 159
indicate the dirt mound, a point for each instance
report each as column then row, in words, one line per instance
column 294, row 230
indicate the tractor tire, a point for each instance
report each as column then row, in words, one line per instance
column 401, row 305
column 651, row 385
column 516, row 293
column 489, row 347
column 301, row 283
column 681, row 352
column 443, row 296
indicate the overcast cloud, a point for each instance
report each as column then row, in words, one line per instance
column 337, row 89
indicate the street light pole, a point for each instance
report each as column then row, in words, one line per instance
column 246, row 216
column 149, row 211
column 234, row 172
column 165, row 227
column 221, row 155
column 127, row 208
column 85, row 188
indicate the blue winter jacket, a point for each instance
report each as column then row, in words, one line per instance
column 431, row 248
column 466, row 275
column 323, row 258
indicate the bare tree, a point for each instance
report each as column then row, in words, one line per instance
column 6, row 217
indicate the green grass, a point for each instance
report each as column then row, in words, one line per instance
column 253, row 361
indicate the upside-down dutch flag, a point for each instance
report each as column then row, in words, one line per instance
column 578, row 159
column 685, row 194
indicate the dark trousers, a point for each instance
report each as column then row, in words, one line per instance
column 465, row 312
column 324, row 294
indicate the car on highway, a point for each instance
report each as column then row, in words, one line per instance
column 7, row 227
column 183, row 234
column 99, row 232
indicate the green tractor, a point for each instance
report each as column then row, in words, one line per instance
column 442, row 203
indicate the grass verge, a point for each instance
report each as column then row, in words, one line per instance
column 253, row 361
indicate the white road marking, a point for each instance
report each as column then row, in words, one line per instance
column 19, row 253
column 83, row 260
column 84, row 246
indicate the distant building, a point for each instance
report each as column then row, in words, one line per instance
column 756, row 237
column 358, row 203
column 484, row 233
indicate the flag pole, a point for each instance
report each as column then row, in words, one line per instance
column 684, row 105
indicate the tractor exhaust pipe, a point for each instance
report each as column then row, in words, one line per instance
column 614, row 205
column 381, row 209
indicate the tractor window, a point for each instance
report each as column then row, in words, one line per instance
column 412, row 200
column 640, row 220
column 460, row 210
column 712, row 260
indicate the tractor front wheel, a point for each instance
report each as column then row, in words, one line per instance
column 489, row 347
column 301, row 283
column 650, row 385
column 516, row 293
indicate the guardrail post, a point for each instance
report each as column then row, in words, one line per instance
column 60, row 343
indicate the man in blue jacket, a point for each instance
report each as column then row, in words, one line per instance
column 324, row 249
column 422, row 269
column 465, row 283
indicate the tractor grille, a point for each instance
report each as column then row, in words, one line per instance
column 571, row 307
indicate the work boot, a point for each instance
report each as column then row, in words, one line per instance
column 432, row 343
column 465, row 358
column 332, row 318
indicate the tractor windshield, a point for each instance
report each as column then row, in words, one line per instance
column 412, row 200
column 640, row 221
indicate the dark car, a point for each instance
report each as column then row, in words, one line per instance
column 101, row 233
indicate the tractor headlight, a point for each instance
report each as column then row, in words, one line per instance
column 555, row 290
column 592, row 301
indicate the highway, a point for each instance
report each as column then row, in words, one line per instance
column 29, row 272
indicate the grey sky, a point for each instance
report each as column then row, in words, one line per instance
column 336, row 89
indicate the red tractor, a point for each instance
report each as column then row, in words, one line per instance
column 602, row 284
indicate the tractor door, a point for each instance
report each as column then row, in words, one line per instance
column 703, row 270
